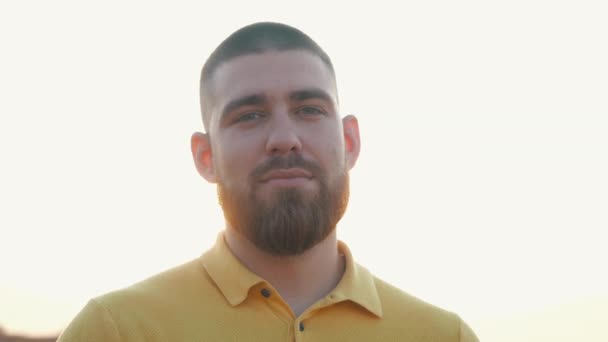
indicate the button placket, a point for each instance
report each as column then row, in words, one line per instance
column 273, row 302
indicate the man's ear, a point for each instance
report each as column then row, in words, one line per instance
column 202, row 155
column 352, row 141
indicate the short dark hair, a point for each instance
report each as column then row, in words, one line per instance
column 253, row 39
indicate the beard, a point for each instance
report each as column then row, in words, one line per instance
column 291, row 221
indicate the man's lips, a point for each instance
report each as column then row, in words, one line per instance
column 286, row 174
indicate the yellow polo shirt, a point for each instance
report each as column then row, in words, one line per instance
column 216, row 298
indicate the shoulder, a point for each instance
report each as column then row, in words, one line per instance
column 124, row 311
column 176, row 278
column 414, row 315
column 398, row 302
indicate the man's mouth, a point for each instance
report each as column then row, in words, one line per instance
column 286, row 176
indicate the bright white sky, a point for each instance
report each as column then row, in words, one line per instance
column 481, row 185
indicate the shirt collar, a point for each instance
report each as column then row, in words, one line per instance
column 235, row 280
column 357, row 284
column 232, row 277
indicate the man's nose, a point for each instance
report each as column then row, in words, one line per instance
column 283, row 137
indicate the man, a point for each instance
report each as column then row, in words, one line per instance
column 280, row 155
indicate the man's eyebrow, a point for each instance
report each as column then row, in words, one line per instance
column 250, row 100
column 312, row 93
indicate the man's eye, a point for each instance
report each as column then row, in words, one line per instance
column 308, row 110
column 249, row 116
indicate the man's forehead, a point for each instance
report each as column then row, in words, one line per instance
column 271, row 73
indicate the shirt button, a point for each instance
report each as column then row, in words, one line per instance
column 301, row 326
column 265, row 292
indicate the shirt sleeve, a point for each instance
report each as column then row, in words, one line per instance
column 93, row 323
column 466, row 333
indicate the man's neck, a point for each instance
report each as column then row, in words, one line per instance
column 301, row 280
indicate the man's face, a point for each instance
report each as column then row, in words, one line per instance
column 278, row 149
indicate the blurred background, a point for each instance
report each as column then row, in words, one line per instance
column 481, row 185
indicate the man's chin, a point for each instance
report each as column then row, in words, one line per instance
column 285, row 220
column 276, row 194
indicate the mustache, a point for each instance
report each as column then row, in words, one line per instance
column 292, row 160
